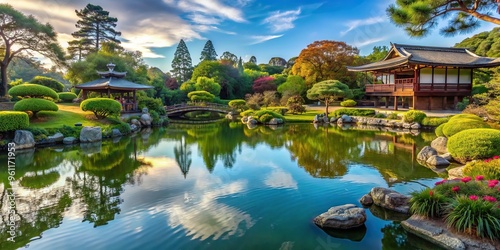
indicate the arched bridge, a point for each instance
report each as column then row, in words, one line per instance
column 181, row 109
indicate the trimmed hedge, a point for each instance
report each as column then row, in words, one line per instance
column 414, row 116
column 238, row 104
column 102, row 107
column 439, row 130
column 434, row 121
column 67, row 96
column 12, row 120
column 467, row 116
column 474, row 144
column 35, row 105
column 33, row 90
column 353, row 112
column 48, row 82
column 260, row 113
column 348, row 103
column 460, row 124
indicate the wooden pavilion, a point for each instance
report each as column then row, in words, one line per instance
column 112, row 82
column 430, row 78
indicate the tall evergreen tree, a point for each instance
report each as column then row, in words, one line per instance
column 208, row 52
column 95, row 26
column 182, row 65
column 253, row 60
column 240, row 67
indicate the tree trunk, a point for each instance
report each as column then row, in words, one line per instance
column 326, row 104
column 3, row 89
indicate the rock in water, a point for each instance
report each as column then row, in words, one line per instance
column 390, row 199
column 439, row 144
column 91, row 134
column 426, row 153
column 342, row 217
column 24, row 139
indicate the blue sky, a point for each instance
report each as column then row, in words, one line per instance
column 246, row 28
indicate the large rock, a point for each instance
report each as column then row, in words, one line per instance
column 146, row 120
column 24, row 139
column 439, row 144
column 69, row 140
column 91, row 134
column 317, row 119
column 116, row 133
column 415, row 125
column 437, row 161
column 57, row 137
column 456, row 173
column 366, row 200
column 342, row 217
column 252, row 121
column 390, row 199
column 244, row 119
column 426, row 153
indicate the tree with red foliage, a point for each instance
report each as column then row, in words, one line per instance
column 171, row 83
column 264, row 83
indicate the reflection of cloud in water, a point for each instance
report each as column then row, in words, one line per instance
column 280, row 179
column 203, row 217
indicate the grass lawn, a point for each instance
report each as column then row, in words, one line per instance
column 308, row 116
column 68, row 114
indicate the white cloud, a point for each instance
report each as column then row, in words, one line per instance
column 368, row 41
column 280, row 179
column 353, row 24
column 261, row 39
column 211, row 8
column 281, row 21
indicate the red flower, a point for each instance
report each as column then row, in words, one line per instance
column 466, row 179
column 479, row 178
column 431, row 193
column 492, row 183
column 473, row 197
column 496, row 157
column 455, row 189
column 440, row 182
column 489, row 198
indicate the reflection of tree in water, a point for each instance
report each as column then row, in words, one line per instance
column 38, row 174
column 183, row 156
column 395, row 237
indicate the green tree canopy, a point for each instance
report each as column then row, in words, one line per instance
column 200, row 96
column 229, row 58
column 208, row 52
column 294, row 85
column 329, row 90
column 94, row 27
column 21, row 34
column 182, row 65
column 419, row 17
column 48, row 82
column 207, row 84
column 225, row 75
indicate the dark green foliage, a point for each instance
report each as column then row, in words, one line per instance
column 414, row 116
column 38, row 133
column 67, row 96
column 72, row 131
column 353, row 112
column 123, row 127
column 33, row 90
column 48, row 82
column 152, row 104
column 463, row 104
column 200, row 96
column 479, row 89
column 35, row 105
column 221, row 101
column 182, row 65
column 358, row 94
column 102, row 107
column 457, row 124
column 208, row 52
column 12, row 120
column 434, row 121
column 260, row 113
column 393, row 116
column 474, row 144
column 265, row 118
column 428, row 203
column 348, row 103
column 380, row 115
column 477, row 216
column 295, row 104
column 439, row 130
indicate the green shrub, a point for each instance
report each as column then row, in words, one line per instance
column 434, row 121
column 102, row 107
column 68, row 131
column 479, row 89
column 200, row 96
column 35, row 105
column 348, row 103
column 130, row 118
column 221, row 101
column 428, row 203
column 473, row 214
column 238, row 104
column 490, row 169
column 379, row 115
column 456, row 125
column 38, row 133
column 265, row 118
column 152, row 104
column 465, row 116
column 12, row 120
column 474, row 144
column 414, row 116
column 67, row 96
column 33, row 90
column 123, row 127
column 295, row 104
column 249, row 112
column 269, row 112
column 353, row 112
column 393, row 116
column 439, row 130
column 48, row 82
column 463, row 104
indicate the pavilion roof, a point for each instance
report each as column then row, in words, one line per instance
column 113, row 84
column 401, row 54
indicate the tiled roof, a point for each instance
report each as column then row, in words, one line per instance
column 112, row 83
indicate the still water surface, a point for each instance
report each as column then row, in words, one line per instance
column 216, row 186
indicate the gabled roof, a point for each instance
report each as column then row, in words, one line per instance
column 112, row 83
column 401, row 54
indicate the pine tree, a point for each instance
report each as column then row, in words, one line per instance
column 182, row 65
column 253, row 60
column 208, row 52
column 95, row 26
column 240, row 66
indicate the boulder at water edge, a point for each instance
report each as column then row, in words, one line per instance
column 439, row 144
column 69, row 140
column 390, row 199
column 426, row 153
column 342, row 217
column 91, row 134
column 24, row 139
column 57, row 137
column 146, row 120
column 437, row 161
column 366, row 200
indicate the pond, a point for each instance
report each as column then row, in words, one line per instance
column 212, row 186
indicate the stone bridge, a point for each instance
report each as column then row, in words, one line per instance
column 181, row 109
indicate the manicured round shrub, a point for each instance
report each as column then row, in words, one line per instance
column 434, row 121
column 460, row 124
column 200, row 96
column 238, row 104
column 348, row 103
column 33, row 90
column 67, row 96
column 414, row 116
column 265, row 118
column 48, row 82
column 465, row 116
column 35, row 105
column 473, row 144
column 102, row 107
column 260, row 113
column 12, row 120
column 439, row 130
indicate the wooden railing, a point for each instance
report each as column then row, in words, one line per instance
column 401, row 85
column 441, row 87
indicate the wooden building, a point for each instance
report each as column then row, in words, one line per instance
column 112, row 82
column 427, row 78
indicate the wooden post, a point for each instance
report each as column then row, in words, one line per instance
column 432, row 79
column 444, row 102
column 84, row 94
column 414, row 101
column 445, row 78
column 455, row 101
column 395, row 103
column 135, row 101
column 458, row 80
column 386, row 102
column 109, row 93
